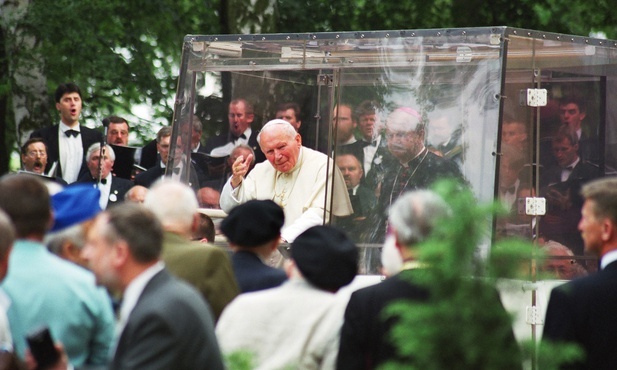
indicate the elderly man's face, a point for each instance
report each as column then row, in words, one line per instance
column 106, row 165
column 118, row 134
column 281, row 149
column 35, row 158
column 403, row 142
column 350, row 168
column 239, row 119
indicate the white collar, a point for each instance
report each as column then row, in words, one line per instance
column 64, row 127
column 135, row 288
column 608, row 258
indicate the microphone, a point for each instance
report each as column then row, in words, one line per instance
column 106, row 122
column 102, row 150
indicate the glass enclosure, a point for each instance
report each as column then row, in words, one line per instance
column 516, row 114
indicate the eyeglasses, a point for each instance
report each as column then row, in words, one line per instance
column 34, row 153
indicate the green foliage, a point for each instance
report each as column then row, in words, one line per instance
column 463, row 324
column 240, row 360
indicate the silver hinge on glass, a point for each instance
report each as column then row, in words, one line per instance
column 535, row 206
column 533, row 97
column 533, row 316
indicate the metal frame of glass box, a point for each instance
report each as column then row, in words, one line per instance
column 465, row 84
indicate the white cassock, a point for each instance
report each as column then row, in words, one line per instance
column 301, row 192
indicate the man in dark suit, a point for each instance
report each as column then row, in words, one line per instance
column 163, row 322
column 240, row 118
column 68, row 141
column 582, row 311
column 253, row 230
column 345, row 121
column 113, row 188
column 572, row 113
column 205, row 266
column 362, row 198
column 163, row 145
column 366, row 332
column 560, row 185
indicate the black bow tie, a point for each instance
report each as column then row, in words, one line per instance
column 242, row 136
column 177, row 170
column 70, row 133
column 103, row 181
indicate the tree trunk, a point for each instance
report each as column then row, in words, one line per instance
column 28, row 107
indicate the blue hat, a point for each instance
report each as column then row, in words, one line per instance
column 75, row 204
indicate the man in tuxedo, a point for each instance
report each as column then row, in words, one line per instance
column 560, row 185
column 68, row 141
column 34, row 160
column 572, row 113
column 370, row 130
column 163, row 323
column 582, row 311
column 345, row 121
column 204, row 266
column 240, row 116
column 113, row 188
column 163, row 145
column 362, row 198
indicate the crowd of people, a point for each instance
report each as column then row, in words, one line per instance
column 121, row 271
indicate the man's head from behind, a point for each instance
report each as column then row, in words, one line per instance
column 413, row 218
column 122, row 242
column 175, row 205
column 253, row 224
column 26, row 201
column 34, row 155
column 325, row 257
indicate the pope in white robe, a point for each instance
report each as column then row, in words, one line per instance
column 297, row 178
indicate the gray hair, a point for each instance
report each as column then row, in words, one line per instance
column 173, row 203
column 283, row 125
column 75, row 234
column 415, row 214
column 96, row 148
column 137, row 226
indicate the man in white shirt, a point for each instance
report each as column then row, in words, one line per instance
column 68, row 141
column 113, row 188
column 294, row 177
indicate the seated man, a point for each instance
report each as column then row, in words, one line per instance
column 295, row 325
column 293, row 176
column 253, row 230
